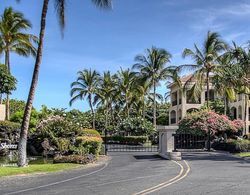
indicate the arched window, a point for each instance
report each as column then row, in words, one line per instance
column 233, row 112
column 173, row 117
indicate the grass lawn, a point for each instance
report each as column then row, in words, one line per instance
column 244, row 154
column 36, row 168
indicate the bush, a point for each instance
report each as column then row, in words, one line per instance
column 130, row 140
column 201, row 122
column 89, row 132
column 79, row 159
column 233, row 146
column 91, row 144
column 136, row 126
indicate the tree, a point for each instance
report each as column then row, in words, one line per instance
column 85, row 86
column 7, row 81
column 14, row 40
column 105, row 94
column 152, row 67
column 241, row 72
column 205, row 63
column 126, row 85
column 60, row 7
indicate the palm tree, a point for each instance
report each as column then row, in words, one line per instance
column 126, row 84
column 13, row 39
column 60, row 7
column 241, row 70
column 222, row 80
column 85, row 86
column 205, row 62
column 152, row 68
column 105, row 94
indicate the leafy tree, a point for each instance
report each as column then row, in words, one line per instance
column 14, row 40
column 60, row 7
column 85, row 86
column 7, row 81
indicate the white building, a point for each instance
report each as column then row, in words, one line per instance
column 184, row 103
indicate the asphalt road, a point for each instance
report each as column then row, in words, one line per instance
column 142, row 173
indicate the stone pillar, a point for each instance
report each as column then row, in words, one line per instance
column 2, row 112
column 166, row 141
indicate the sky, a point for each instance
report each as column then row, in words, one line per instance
column 108, row 40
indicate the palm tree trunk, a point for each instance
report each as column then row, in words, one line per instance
column 127, row 106
column 225, row 105
column 92, row 112
column 209, row 132
column 154, row 115
column 22, row 145
column 208, row 96
column 245, row 113
column 7, row 64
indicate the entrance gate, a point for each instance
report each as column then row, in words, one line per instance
column 148, row 146
column 189, row 141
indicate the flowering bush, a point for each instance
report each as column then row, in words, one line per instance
column 201, row 122
column 136, row 126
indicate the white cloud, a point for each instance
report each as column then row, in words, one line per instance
column 217, row 19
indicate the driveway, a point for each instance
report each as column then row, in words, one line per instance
column 143, row 173
column 126, row 173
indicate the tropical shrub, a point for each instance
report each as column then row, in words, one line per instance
column 79, row 159
column 233, row 145
column 129, row 140
column 18, row 117
column 91, row 144
column 89, row 132
column 201, row 122
column 136, row 126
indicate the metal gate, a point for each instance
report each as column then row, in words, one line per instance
column 189, row 141
column 148, row 146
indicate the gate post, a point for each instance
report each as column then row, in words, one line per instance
column 166, row 142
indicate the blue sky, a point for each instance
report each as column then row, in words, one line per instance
column 108, row 40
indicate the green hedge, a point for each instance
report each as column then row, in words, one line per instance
column 89, row 132
column 233, row 146
column 92, row 145
column 130, row 140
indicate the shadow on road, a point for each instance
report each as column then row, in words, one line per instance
column 154, row 157
column 211, row 156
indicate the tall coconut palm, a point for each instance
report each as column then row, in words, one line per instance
column 241, row 78
column 126, row 84
column 222, row 80
column 152, row 66
column 85, row 86
column 104, row 95
column 205, row 62
column 60, row 7
column 13, row 38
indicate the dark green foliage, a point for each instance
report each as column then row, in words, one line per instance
column 130, row 140
column 7, row 81
column 218, row 106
